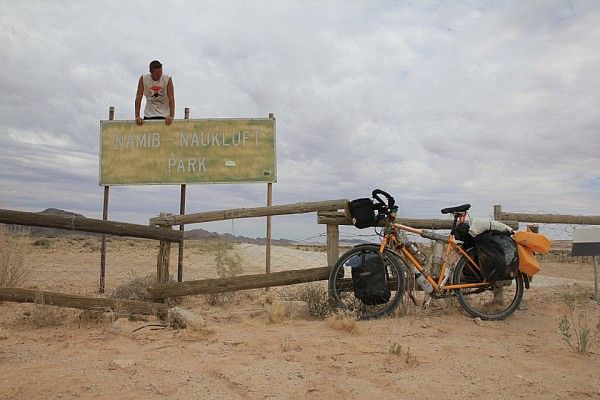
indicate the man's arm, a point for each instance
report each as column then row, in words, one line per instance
column 138, row 101
column 171, row 96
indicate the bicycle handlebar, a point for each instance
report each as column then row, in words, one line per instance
column 390, row 200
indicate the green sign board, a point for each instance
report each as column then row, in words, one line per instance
column 188, row 151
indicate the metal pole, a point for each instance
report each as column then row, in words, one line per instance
column 186, row 113
column 111, row 117
column 269, row 230
column 181, row 228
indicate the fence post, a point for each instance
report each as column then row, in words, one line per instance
column 497, row 212
column 533, row 228
column 333, row 244
column 164, row 255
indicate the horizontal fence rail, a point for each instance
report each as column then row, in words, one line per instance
column 295, row 208
column 75, row 223
column 244, row 282
column 80, row 302
column 340, row 218
column 551, row 218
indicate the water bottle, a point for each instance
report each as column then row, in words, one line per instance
column 437, row 255
column 423, row 283
column 421, row 258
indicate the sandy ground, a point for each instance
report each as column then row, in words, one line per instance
column 437, row 353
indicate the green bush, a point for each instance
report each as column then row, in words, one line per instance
column 228, row 265
column 576, row 329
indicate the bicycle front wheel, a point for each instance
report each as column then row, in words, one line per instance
column 493, row 301
column 345, row 293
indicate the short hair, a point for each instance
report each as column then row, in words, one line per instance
column 155, row 64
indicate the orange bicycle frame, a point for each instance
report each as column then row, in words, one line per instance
column 391, row 240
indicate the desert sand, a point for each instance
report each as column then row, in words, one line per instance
column 243, row 353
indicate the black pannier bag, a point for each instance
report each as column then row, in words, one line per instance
column 370, row 279
column 497, row 255
column 363, row 213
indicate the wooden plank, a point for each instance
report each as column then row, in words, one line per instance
column 88, row 225
column 333, row 244
column 81, row 302
column 552, row 218
column 339, row 218
column 238, row 283
column 296, row 208
column 164, row 256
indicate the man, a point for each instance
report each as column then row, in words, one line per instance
column 160, row 95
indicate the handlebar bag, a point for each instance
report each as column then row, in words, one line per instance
column 498, row 256
column 370, row 279
column 363, row 213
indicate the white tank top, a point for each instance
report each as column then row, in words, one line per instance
column 157, row 101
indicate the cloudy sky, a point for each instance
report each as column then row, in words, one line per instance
column 439, row 103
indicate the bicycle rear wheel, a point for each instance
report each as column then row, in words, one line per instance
column 342, row 292
column 492, row 302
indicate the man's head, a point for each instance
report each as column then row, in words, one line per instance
column 156, row 69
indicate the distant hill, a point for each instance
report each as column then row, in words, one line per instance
column 37, row 231
column 201, row 234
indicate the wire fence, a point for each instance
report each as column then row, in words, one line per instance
column 69, row 263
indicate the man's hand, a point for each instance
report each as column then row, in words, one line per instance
column 168, row 120
column 139, row 121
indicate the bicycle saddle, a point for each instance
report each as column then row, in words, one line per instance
column 456, row 209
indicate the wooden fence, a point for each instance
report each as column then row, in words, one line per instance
column 75, row 223
column 331, row 213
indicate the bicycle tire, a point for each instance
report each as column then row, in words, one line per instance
column 341, row 291
column 493, row 302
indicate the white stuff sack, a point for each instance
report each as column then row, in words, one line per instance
column 480, row 225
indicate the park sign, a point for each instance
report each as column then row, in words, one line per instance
column 187, row 151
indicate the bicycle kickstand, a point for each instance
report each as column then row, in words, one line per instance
column 426, row 301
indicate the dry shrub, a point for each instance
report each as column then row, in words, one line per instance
column 41, row 316
column 398, row 351
column 277, row 313
column 314, row 293
column 43, row 242
column 97, row 316
column 342, row 321
column 91, row 245
column 13, row 272
column 135, row 289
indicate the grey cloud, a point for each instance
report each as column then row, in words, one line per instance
column 436, row 102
